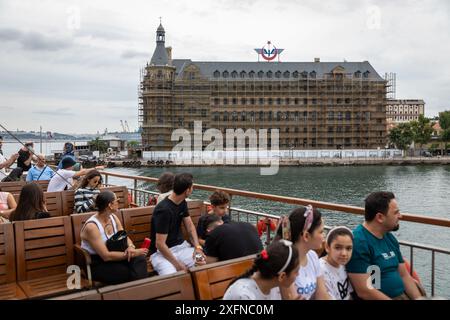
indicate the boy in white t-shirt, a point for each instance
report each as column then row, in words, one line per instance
column 63, row 178
column 339, row 246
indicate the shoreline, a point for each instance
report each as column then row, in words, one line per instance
column 409, row 161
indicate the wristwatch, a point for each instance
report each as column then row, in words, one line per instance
column 199, row 247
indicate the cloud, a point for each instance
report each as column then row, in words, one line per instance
column 131, row 54
column 33, row 40
column 62, row 112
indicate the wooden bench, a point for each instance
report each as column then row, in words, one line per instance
column 54, row 203
column 43, row 184
column 68, row 202
column 177, row 286
column 212, row 280
column 136, row 221
column 82, row 295
column 13, row 187
column 8, row 286
column 121, row 194
column 44, row 250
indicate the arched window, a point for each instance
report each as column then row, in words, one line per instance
column 225, row 74
column 358, row 74
column 313, row 74
column 366, row 74
column 243, row 74
column 278, row 74
column 286, row 74
column 216, row 74
column 304, row 74
column 269, row 74
column 260, row 74
column 295, row 74
column 251, row 74
column 225, row 116
column 234, row 74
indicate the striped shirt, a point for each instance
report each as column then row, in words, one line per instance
column 84, row 201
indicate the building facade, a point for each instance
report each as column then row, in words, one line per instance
column 315, row 105
column 400, row 111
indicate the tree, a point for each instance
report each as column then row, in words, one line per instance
column 444, row 123
column 444, row 119
column 98, row 145
column 445, row 137
column 422, row 130
column 133, row 144
column 402, row 136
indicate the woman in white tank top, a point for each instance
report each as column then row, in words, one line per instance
column 110, row 267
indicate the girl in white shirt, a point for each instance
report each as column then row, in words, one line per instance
column 339, row 246
column 306, row 227
column 274, row 268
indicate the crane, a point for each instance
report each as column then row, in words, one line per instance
column 127, row 127
column 123, row 127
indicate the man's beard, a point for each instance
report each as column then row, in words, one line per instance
column 396, row 227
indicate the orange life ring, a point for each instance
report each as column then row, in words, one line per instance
column 261, row 225
column 130, row 198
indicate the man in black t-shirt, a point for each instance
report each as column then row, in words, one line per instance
column 169, row 251
column 231, row 240
column 25, row 156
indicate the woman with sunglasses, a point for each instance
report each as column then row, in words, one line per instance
column 87, row 192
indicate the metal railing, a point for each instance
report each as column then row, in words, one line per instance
column 141, row 197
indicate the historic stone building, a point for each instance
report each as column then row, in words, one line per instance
column 315, row 105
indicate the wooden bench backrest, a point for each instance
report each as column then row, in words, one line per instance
column 136, row 221
column 54, row 203
column 177, row 286
column 7, row 254
column 211, row 281
column 13, row 187
column 83, row 295
column 43, row 184
column 121, row 194
column 44, row 247
column 78, row 221
column 68, row 202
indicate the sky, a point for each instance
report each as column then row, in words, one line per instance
column 73, row 66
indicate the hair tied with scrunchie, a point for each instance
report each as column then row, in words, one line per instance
column 264, row 255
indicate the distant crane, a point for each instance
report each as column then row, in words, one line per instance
column 123, row 127
column 126, row 125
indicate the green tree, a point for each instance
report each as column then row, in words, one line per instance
column 445, row 137
column 422, row 130
column 402, row 136
column 133, row 144
column 444, row 123
column 98, row 145
column 444, row 119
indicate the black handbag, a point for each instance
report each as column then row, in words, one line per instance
column 118, row 241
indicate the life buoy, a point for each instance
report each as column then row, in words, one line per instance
column 130, row 198
column 262, row 224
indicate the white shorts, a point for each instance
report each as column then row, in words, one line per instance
column 183, row 253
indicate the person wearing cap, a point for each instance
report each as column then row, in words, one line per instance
column 376, row 257
column 63, row 178
column 68, row 153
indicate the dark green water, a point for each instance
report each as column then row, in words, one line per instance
column 423, row 190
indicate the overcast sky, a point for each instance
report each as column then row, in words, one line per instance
column 73, row 66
